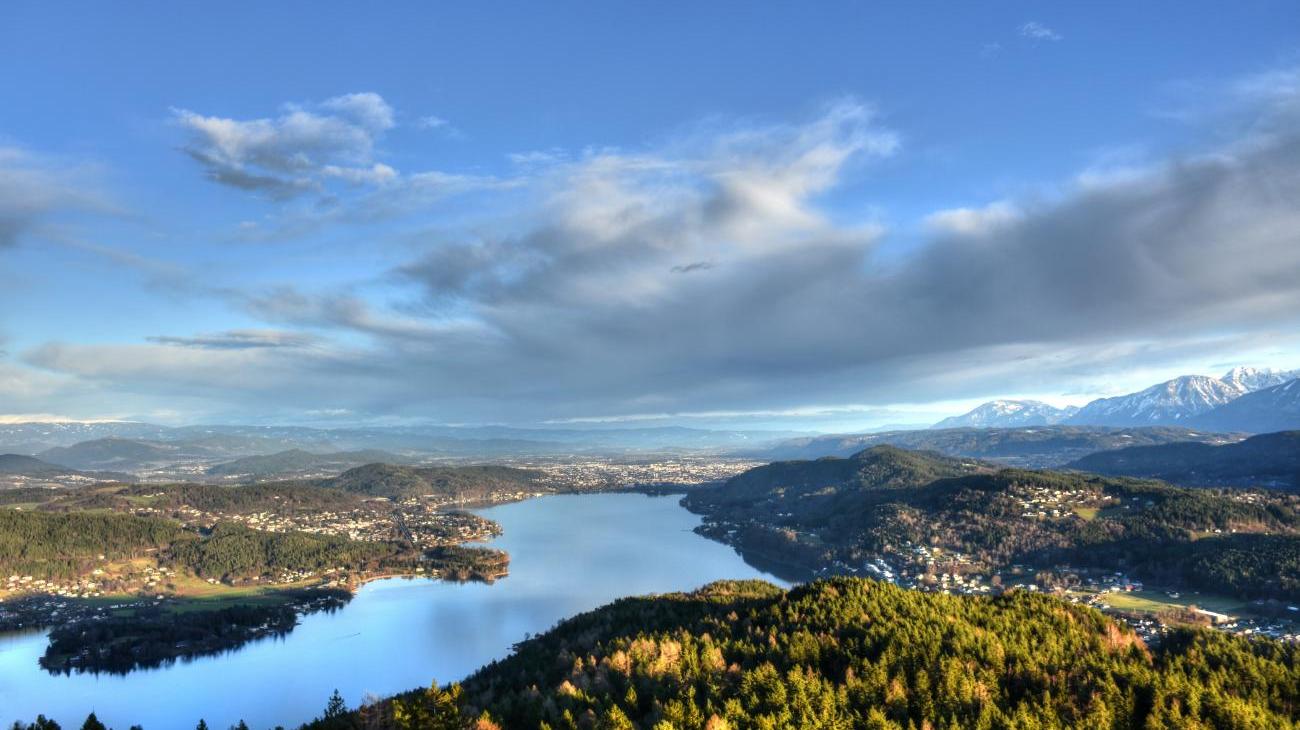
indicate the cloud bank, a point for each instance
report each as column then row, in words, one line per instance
column 705, row 275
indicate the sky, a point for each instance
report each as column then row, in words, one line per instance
column 834, row 216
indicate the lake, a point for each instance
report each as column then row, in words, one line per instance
column 569, row 553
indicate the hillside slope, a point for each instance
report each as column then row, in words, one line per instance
column 118, row 454
column 1268, row 460
column 830, row 515
column 30, row 466
column 854, row 653
column 298, row 460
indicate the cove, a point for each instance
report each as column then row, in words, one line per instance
column 569, row 553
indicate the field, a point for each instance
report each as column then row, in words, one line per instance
column 1155, row 601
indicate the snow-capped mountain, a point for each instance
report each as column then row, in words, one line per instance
column 1170, row 403
column 1008, row 414
column 1252, row 379
column 1271, row 409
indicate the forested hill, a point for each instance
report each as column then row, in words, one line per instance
column 1267, row 460
column 908, row 510
column 62, row 545
column 65, row 545
column 879, row 467
column 468, row 483
column 20, row 465
column 849, row 652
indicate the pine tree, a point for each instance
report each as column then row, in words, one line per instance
column 336, row 707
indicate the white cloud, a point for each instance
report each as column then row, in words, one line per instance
column 1036, row 31
column 432, row 122
column 551, row 156
column 973, row 221
column 377, row 174
column 293, row 153
column 325, row 152
column 368, row 109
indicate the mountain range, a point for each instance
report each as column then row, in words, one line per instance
column 1227, row 403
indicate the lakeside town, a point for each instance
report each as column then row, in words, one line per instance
column 1150, row 611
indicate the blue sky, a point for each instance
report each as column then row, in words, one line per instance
column 720, row 214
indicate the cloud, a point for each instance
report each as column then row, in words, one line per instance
column 1036, row 31
column 238, row 340
column 367, row 109
column 37, row 194
column 579, row 310
column 800, row 303
column 159, row 369
column 972, row 221
column 538, row 157
column 433, row 123
column 319, row 162
column 693, row 266
column 338, row 311
column 293, row 153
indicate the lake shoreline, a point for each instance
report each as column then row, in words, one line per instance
column 569, row 554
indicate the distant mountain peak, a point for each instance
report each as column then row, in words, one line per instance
column 1250, row 379
column 1008, row 414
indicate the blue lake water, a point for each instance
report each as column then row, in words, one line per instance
column 569, row 554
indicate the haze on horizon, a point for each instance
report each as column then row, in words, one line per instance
column 733, row 215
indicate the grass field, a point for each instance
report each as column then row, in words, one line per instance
column 1087, row 513
column 1154, row 601
column 195, row 594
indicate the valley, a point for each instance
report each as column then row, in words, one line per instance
column 139, row 575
